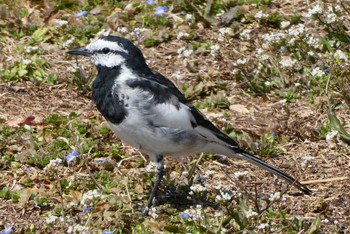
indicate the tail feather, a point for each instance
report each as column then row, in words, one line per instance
column 273, row 170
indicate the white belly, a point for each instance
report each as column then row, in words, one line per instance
column 157, row 141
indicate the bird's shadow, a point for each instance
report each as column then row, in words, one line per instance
column 178, row 198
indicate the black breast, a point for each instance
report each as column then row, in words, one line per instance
column 106, row 96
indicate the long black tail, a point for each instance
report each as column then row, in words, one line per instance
column 273, row 170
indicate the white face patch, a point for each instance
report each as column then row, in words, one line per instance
column 99, row 44
column 108, row 60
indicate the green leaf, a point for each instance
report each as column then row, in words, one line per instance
column 22, row 72
column 326, row 45
column 336, row 125
column 40, row 34
column 314, row 226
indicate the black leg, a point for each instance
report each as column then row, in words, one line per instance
column 160, row 171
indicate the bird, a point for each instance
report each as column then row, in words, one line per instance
column 148, row 112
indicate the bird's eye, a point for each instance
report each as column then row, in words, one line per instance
column 105, row 50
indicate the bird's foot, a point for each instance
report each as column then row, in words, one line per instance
column 144, row 212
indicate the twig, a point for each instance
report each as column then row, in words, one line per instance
column 63, row 213
column 325, row 180
column 128, row 193
column 91, row 175
column 198, row 13
column 208, row 8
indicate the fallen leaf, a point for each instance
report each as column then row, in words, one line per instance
column 239, row 108
column 139, row 189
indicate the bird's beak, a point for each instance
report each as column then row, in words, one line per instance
column 80, row 51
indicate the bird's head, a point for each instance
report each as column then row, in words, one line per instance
column 112, row 52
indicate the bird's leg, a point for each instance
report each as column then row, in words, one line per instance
column 160, row 171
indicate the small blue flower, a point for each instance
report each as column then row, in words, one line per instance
column 327, row 70
column 160, row 10
column 185, row 216
column 108, row 232
column 103, row 160
column 150, row 2
column 7, row 230
column 71, row 157
column 26, row 127
column 87, row 209
column 273, row 134
column 81, row 14
column 28, row 169
column 282, row 49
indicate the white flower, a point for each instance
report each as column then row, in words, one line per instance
column 209, row 173
column 264, row 57
column 179, row 51
column 26, row 62
column 306, row 160
column 68, row 42
column 240, row 174
column 331, row 18
column 218, row 186
column 82, row 229
column 245, row 34
column 285, row 24
column 194, row 213
column 240, row 62
column 152, row 212
column 53, row 163
column 139, row 33
column 218, row 198
column 287, row 62
column 263, row 226
column 330, row 135
column 185, row 173
column 89, row 196
column 260, row 15
column 182, row 34
column 188, row 17
column 187, row 53
column 60, row 23
column 103, row 32
column 340, row 55
column 259, row 51
column 51, row 219
column 214, row 48
column 224, row 31
column 317, row 72
column 274, row 37
column 150, row 167
column 122, row 30
column 296, row 30
column 226, row 196
column 218, row 214
column 317, row 9
column 31, row 48
column 198, row 188
column 314, row 42
column 250, row 213
column 274, row 196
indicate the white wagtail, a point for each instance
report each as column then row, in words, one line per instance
column 148, row 112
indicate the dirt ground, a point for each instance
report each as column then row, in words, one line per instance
column 327, row 175
column 297, row 127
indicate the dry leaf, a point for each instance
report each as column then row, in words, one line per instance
column 239, row 109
